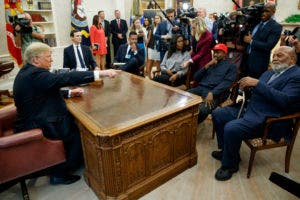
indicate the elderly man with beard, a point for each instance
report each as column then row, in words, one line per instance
column 275, row 93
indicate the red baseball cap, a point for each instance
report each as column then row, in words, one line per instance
column 221, row 47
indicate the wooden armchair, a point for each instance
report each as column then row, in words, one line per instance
column 263, row 142
column 23, row 154
column 227, row 98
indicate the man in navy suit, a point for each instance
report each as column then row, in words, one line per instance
column 263, row 39
column 131, row 55
column 40, row 104
column 165, row 30
column 76, row 56
column 118, row 28
column 275, row 93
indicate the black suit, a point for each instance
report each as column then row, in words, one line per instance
column 107, row 34
column 40, row 105
column 70, row 58
column 133, row 63
column 257, row 61
column 115, row 30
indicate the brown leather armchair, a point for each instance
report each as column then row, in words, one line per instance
column 24, row 153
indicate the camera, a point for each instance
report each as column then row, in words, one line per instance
column 294, row 33
column 191, row 13
column 238, row 24
column 22, row 22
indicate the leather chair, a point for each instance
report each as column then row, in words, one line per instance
column 25, row 153
column 263, row 142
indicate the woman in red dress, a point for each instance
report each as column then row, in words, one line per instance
column 98, row 40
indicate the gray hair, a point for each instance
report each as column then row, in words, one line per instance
column 35, row 49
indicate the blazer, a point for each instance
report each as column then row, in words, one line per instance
column 162, row 30
column 280, row 97
column 39, row 101
column 201, row 54
column 107, row 29
column 261, row 46
column 133, row 64
column 70, row 58
column 115, row 30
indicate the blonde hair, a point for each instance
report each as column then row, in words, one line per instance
column 200, row 25
column 133, row 28
column 35, row 49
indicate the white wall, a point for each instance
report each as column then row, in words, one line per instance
column 286, row 8
column 218, row 6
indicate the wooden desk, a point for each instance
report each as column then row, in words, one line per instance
column 136, row 134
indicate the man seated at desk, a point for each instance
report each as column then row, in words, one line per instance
column 129, row 57
column 78, row 57
column 40, row 105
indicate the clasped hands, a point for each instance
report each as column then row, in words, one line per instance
column 173, row 77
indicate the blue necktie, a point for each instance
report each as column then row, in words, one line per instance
column 80, row 58
column 254, row 34
column 260, row 27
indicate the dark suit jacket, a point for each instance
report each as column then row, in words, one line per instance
column 162, row 30
column 39, row 101
column 115, row 30
column 70, row 59
column 132, row 64
column 106, row 28
column 280, row 97
column 262, row 44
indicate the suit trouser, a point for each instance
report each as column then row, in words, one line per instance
column 204, row 110
column 131, row 66
column 70, row 135
column 231, row 132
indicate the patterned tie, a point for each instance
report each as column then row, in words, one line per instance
column 119, row 25
column 80, row 58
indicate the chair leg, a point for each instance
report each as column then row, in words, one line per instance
column 213, row 132
column 252, row 155
column 24, row 190
column 288, row 158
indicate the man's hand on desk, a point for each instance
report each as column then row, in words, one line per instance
column 111, row 73
column 77, row 92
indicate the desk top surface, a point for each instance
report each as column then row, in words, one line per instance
column 125, row 102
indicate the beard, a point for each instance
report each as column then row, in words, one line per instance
column 279, row 67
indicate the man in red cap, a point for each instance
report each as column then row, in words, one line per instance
column 213, row 78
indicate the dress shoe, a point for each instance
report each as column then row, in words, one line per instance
column 225, row 173
column 217, row 155
column 66, row 180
